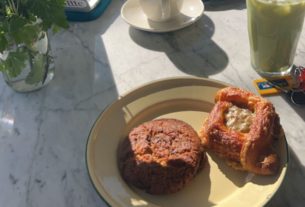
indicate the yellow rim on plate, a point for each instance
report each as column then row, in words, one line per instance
column 188, row 99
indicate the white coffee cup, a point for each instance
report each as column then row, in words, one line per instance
column 161, row 10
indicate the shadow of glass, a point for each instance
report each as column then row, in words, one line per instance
column 299, row 109
column 82, row 87
column 265, row 180
column 221, row 5
column 281, row 149
column 240, row 178
column 291, row 192
column 191, row 49
column 88, row 65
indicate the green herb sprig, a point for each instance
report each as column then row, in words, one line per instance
column 21, row 22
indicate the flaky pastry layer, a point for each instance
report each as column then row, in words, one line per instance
column 251, row 151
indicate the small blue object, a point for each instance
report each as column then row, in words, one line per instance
column 88, row 15
column 269, row 84
column 264, row 85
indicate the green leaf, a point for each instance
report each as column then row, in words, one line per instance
column 55, row 29
column 2, row 67
column 3, row 42
column 16, row 22
column 27, row 34
column 19, row 25
column 52, row 12
column 14, row 63
column 38, row 69
column 4, row 26
column 22, row 32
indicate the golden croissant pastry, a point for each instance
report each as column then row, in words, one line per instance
column 241, row 128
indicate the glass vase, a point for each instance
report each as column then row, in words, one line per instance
column 38, row 68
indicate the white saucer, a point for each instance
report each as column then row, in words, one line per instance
column 132, row 13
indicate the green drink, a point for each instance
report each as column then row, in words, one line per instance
column 274, row 28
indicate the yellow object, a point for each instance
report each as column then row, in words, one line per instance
column 266, row 87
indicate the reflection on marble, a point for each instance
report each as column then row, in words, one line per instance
column 44, row 133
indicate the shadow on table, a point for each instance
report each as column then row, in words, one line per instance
column 299, row 109
column 221, row 5
column 191, row 49
column 83, row 86
column 85, row 80
column 291, row 192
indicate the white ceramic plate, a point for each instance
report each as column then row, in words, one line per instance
column 188, row 99
column 191, row 11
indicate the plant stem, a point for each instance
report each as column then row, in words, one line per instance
column 10, row 4
column 13, row 6
column 17, row 7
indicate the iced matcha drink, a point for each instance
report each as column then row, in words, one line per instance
column 274, row 29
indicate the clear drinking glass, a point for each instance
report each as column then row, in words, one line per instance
column 274, row 28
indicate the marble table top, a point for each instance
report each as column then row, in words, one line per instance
column 44, row 133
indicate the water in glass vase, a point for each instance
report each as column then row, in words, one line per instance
column 38, row 68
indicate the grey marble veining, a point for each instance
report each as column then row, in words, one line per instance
column 44, row 133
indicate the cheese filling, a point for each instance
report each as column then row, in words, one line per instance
column 239, row 119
